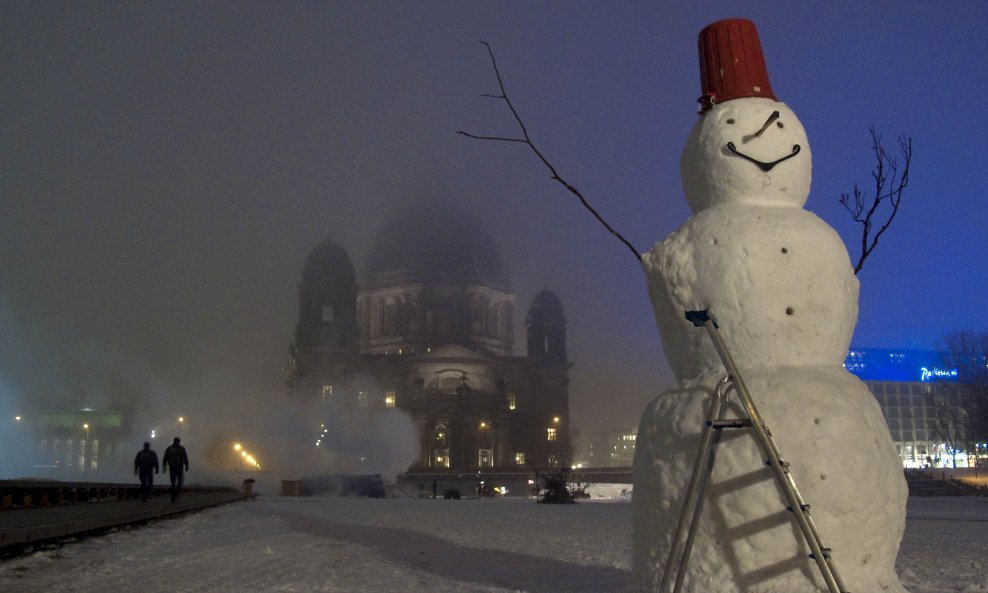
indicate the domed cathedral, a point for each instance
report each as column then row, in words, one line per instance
column 429, row 330
column 434, row 277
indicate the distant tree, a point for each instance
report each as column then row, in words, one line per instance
column 552, row 484
column 876, row 213
column 949, row 420
column 967, row 352
column 555, row 486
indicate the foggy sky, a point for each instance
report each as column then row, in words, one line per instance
column 167, row 167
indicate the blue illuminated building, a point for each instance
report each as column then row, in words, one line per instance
column 880, row 364
column 912, row 387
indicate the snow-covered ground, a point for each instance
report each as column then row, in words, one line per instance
column 357, row 545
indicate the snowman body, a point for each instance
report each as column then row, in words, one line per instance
column 779, row 282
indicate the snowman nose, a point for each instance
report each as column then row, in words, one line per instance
column 768, row 122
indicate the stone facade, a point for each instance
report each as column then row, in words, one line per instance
column 428, row 330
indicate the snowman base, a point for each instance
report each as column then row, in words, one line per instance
column 746, row 540
column 715, row 425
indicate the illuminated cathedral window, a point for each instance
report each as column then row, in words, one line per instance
column 390, row 399
column 362, row 399
column 520, row 458
column 442, row 458
column 550, row 434
column 512, row 400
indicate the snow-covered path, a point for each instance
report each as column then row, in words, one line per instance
column 360, row 545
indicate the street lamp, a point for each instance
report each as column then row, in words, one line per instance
column 85, row 449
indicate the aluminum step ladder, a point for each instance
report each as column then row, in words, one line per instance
column 689, row 519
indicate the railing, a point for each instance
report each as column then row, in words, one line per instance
column 42, row 493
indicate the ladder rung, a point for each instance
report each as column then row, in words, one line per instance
column 825, row 551
column 730, row 423
column 803, row 507
column 782, row 463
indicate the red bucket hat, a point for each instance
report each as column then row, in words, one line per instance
column 731, row 63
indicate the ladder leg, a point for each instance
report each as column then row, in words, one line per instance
column 704, row 478
column 691, row 505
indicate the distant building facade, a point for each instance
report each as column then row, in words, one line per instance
column 428, row 329
column 69, row 443
column 913, row 389
column 606, row 449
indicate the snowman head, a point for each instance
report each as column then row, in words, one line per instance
column 747, row 147
column 751, row 150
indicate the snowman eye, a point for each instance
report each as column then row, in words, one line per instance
column 730, row 121
column 780, row 124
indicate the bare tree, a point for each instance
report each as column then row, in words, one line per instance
column 527, row 141
column 949, row 420
column 875, row 214
column 967, row 352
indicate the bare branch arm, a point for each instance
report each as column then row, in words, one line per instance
column 527, row 140
column 887, row 190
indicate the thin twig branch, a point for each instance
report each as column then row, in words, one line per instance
column 526, row 139
column 885, row 173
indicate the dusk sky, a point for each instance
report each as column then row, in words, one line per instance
column 167, row 166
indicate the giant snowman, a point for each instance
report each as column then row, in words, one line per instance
column 779, row 282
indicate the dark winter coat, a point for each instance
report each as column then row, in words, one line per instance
column 175, row 458
column 146, row 459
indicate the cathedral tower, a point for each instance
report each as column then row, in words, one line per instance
column 546, row 325
column 327, row 301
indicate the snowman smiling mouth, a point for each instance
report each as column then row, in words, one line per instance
column 761, row 164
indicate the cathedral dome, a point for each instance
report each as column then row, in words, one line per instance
column 435, row 242
column 329, row 260
column 546, row 308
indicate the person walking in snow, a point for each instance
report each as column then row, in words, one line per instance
column 176, row 462
column 146, row 461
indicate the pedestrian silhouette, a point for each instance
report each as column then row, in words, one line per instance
column 146, row 461
column 176, row 462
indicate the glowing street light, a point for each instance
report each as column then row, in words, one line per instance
column 245, row 456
